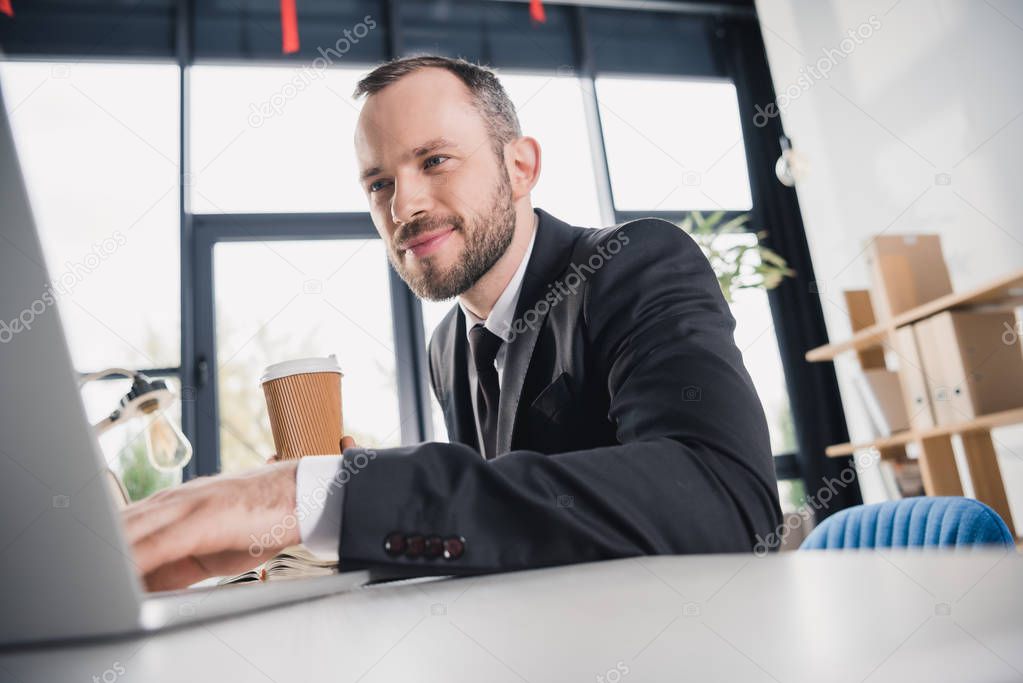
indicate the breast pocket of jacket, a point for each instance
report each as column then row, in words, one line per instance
column 552, row 413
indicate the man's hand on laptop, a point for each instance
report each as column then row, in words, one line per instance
column 213, row 526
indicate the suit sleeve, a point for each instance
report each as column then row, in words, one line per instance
column 693, row 471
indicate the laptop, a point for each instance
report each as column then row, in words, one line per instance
column 65, row 567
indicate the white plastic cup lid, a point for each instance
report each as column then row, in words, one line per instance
column 300, row 366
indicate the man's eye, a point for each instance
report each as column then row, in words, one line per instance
column 429, row 163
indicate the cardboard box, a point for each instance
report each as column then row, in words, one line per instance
column 915, row 392
column 906, row 271
column 970, row 369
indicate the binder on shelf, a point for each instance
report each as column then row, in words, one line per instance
column 915, row 392
column 882, row 396
column 971, row 370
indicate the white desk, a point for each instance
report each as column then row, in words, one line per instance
column 795, row 617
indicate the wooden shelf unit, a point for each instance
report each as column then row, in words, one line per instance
column 979, row 424
column 937, row 458
column 1005, row 291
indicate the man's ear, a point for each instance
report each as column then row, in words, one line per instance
column 522, row 159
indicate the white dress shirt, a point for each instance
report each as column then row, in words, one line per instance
column 315, row 488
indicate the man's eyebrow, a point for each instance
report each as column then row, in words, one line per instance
column 421, row 150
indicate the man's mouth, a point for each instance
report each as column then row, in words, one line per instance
column 425, row 244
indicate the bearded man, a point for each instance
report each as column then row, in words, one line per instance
column 595, row 400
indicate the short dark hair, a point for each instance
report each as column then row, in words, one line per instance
column 488, row 95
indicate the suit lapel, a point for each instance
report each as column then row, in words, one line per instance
column 551, row 253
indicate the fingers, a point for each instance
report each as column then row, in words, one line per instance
column 272, row 459
column 178, row 574
column 166, row 545
column 346, row 443
column 163, row 507
column 186, row 571
column 245, row 516
column 148, row 516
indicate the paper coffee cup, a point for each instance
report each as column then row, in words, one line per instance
column 303, row 398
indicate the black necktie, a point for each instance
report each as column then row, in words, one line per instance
column 484, row 345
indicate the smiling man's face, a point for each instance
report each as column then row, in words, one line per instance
column 439, row 195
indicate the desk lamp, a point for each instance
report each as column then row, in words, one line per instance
column 166, row 447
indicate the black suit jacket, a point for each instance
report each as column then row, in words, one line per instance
column 628, row 424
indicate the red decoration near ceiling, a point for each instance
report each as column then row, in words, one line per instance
column 289, row 27
column 536, row 12
column 5, row 8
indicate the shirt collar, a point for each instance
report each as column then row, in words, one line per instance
column 501, row 315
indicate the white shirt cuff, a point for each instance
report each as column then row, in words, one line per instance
column 318, row 500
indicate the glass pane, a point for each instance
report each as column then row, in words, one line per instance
column 433, row 313
column 274, row 139
column 98, row 145
column 755, row 337
column 792, row 495
column 673, row 145
column 124, row 446
column 567, row 186
column 278, row 301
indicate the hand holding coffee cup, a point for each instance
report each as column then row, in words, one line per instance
column 303, row 399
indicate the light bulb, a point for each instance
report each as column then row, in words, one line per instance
column 791, row 166
column 167, row 447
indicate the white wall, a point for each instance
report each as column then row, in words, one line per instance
column 935, row 87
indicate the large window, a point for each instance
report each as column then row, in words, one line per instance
column 260, row 143
column 273, row 237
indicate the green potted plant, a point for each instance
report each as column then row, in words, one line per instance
column 738, row 263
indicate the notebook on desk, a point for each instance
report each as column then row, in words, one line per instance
column 295, row 562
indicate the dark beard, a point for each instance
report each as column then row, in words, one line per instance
column 486, row 240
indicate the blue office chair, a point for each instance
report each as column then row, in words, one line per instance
column 912, row 522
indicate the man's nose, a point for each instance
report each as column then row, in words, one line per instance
column 411, row 198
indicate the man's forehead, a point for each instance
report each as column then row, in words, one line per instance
column 404, row 130
column 401, row 131
column 376, row 145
